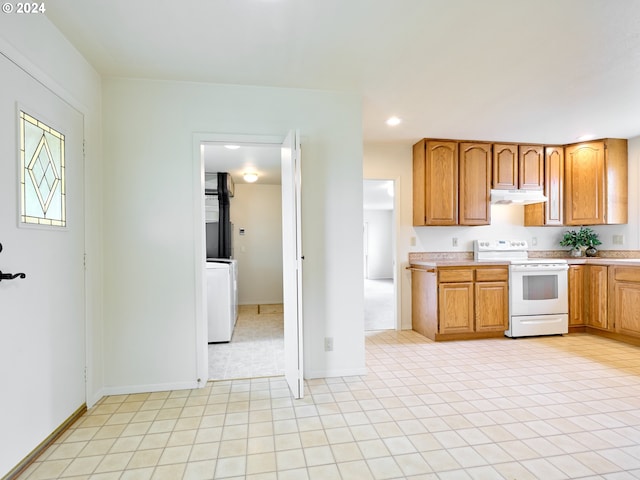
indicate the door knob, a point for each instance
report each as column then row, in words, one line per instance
column 11, row 276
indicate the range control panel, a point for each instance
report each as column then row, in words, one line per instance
column 500, row 250
column 500, row 245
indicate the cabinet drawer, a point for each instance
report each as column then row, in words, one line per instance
column 627, row 274
column 498, row 274
column 455, row 275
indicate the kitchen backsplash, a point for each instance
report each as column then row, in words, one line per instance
column 447, row 256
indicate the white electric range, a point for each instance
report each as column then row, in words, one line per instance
column 538, row 288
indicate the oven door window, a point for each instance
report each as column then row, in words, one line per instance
column 540, row 287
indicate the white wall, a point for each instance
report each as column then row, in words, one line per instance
column 34, row 44
column 258, row 210
column 150, row 274
column 379, row 249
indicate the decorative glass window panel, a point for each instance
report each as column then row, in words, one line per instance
column 42, row 180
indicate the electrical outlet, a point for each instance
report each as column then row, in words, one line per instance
column 412, row 242
column 328, row 344
column 454, row 241
column 534, row 241
column 618, row 239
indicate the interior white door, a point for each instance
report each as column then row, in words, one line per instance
column 42, row 321
column 292, row 263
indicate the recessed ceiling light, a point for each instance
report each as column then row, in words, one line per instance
column 393, row 121
column 250, row 177
column 232, row 147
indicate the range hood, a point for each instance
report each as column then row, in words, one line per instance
column 517, row 197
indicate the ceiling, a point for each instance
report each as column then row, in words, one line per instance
column 539, row 71
column 263, row 160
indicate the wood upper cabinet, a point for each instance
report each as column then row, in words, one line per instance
column 435, row 183
column 596, row 183
column 505, row 166
column 597, row 296
column 624, row 299
column 576, row 295
column 451, row 183
column 550, row 212
column 475, row 184
column 518, row 167
column 531, row 167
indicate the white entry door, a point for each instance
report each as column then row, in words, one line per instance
column 292, row 263
column 42, row 319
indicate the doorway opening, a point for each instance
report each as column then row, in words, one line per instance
column 255, row 343
column 380, row 310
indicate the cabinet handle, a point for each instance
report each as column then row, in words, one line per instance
column 413, row 269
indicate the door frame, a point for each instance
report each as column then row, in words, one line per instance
column 200, row 254
column 397, row 272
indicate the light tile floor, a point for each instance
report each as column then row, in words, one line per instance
column 541, row 408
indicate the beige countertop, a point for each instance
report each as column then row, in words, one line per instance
column 465, row 262
column 603, row 261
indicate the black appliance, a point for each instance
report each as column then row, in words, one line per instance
column 219, row 234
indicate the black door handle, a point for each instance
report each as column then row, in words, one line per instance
column 11, row 276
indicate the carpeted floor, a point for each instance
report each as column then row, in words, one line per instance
column 378, row 304
column 256, row 348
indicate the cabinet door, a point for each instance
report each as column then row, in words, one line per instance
column 505, row 166
column 531, row 167
column 626, row 298
column 584, row 184
column 435, row 183
column 550, row 212
column 597, row 296
column 424, row 302
column 475, row 184
column 455, row 304
column 576, row 295
column 491, row 306
column 554, row 185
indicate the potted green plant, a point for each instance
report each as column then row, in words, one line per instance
column 581, row 241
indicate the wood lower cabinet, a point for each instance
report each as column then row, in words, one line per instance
column 472, row 302
column 455, row 307
column 597, row 296
column 491, row 307
column 624, row 304
column 577, row 317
